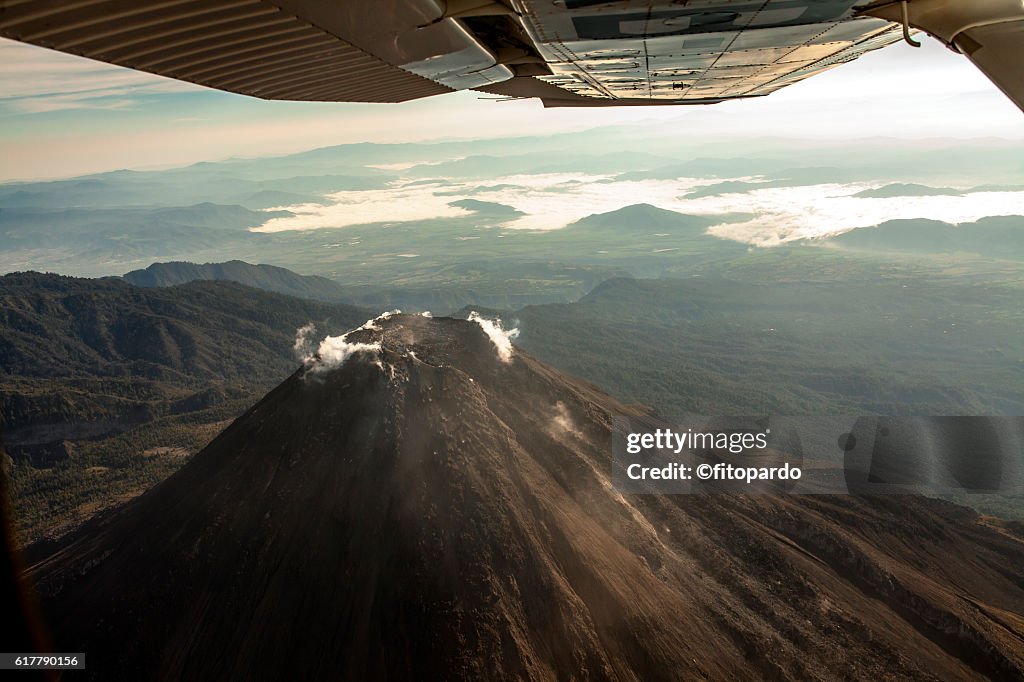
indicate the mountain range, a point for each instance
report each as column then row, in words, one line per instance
column 105, row 387
column 999, row 237
column 266, row 277
column 417, row 503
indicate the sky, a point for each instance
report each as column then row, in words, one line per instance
column 62, row 116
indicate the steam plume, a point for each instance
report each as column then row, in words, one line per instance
column 333, row 351
column 562, row 423
column 304, row 342
column 372, row 324
column 499, row 336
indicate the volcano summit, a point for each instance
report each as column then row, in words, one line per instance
column 427, row 510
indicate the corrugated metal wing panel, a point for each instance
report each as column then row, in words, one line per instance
column 250, row 47
column 696, row 52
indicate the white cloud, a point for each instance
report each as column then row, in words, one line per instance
column 40, row 105
column 552, row 201
column 406, row 165
column 33, row 80
column 786, row 214
column 549, row 201
column 399, row 202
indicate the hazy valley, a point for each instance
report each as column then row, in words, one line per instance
column 428, row 490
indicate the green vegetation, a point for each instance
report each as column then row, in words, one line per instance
column 266, row 277
column 107, row 387
column 717, row 346
column 802, row 331
column 909, row 317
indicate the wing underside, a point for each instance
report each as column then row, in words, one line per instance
column 693, row 52
column 287, row 49
column 565, row 52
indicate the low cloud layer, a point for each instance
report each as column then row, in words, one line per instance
column 499, row 336
column 400, row 202
column 551, row 201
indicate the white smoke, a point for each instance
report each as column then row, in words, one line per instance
column 426, row 313
column 335, row 350
column 304, row 342
column 372, row 324
column 499, row 336
column 562, row 423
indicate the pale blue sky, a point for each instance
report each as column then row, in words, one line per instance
column 62, row 116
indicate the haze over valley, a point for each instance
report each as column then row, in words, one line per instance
column 384, row 214
column 205, row 375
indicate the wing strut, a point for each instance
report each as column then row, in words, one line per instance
column 906, row 25
column 988, row 32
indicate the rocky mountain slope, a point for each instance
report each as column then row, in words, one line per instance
column 422, row 502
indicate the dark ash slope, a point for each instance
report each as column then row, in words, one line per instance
column 448, row 516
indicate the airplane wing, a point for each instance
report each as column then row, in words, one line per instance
column 565, row 52
column 311, row 50
column 692, row 52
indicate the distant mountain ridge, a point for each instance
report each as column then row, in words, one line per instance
column 647, row 217
column 994, row 237
column 266, row 277
column 126, row 349
column 438, row 299
column 109, row 327
column 488, row 208
column 913, row 189
column 898, row 189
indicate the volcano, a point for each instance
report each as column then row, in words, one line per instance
column 417, row 502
